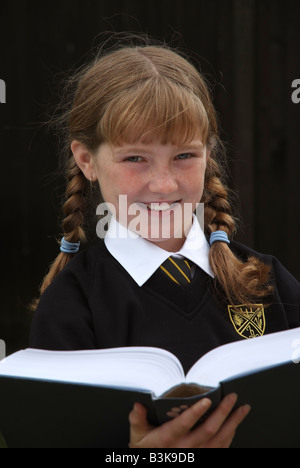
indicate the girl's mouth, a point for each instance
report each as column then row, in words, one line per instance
column 160, row 206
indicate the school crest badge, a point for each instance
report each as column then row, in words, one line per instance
column 249, row 321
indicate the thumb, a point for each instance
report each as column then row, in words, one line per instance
column 139, row 425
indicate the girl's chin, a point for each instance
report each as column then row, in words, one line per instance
column 171, row 245
column 166, row 234
column 159, row 223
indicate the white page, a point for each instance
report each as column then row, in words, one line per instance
column 245, row 356
column 152, row 368
column 143, row 368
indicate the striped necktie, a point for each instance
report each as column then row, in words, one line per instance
column 178, row 270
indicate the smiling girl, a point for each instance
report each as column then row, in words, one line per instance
column 164, row 182
column 142, row 126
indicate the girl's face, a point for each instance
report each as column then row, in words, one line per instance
column 154, row 188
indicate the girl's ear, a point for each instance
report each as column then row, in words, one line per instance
column 83, row 159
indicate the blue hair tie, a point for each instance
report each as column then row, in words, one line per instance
column 220, row 236
column 69, row 247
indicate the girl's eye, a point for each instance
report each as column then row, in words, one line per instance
column 184, row 156
column 134, row 159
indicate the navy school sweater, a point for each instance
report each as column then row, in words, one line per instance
column 94, row 304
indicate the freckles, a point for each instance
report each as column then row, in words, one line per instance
column 195, row 178
column 129, row 182
column 193, row 183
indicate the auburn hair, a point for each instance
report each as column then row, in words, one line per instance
column 152, row 93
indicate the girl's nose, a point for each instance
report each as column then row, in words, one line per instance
column 163, row 183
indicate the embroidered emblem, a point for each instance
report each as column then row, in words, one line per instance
column 249, row 321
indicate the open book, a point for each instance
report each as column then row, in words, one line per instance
column 100, row 387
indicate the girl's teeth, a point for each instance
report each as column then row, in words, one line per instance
column 160, row 207
column 157, row 207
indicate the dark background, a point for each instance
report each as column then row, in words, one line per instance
column 250, row 49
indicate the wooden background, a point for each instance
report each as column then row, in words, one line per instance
column 250, row 49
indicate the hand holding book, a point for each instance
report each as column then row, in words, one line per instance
column 216, row 432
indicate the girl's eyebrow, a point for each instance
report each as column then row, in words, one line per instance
column 140, row 149
column 193, row 146
column 130, row 149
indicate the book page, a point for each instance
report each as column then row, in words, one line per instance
column 150, row 369
column 244, row 356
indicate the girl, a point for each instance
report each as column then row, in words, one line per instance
column 143, row 129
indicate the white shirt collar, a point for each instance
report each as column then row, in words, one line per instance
column 141, row 258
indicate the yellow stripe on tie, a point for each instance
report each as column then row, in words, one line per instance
column 169, row 274
column 183, row 274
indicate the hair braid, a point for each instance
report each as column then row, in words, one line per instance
column 73, row 209
column 218, row 211
column 242, row 282
column 75, row 204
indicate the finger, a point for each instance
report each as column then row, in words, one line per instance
column 182, row 425
column 139, row 425
column 226, row 434
column 210, row 428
